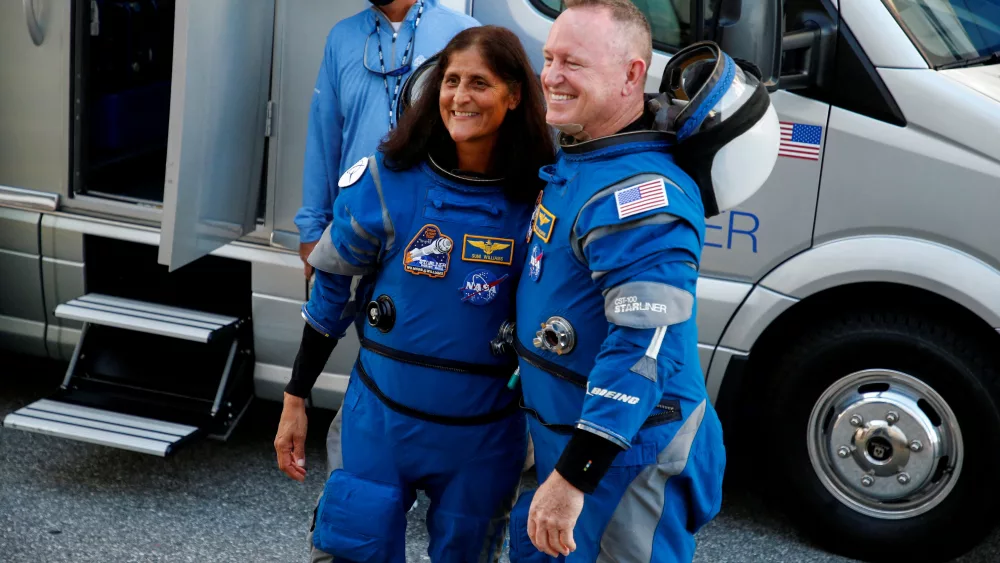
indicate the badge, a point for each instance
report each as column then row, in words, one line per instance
column 489, row 250
column 429, row 253
column 480, row 287
column 534, row 214
column 535, row 262
column 353, row 173
column 640, row 198
column 543, row 223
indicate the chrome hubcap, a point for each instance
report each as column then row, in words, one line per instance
column 885, row 444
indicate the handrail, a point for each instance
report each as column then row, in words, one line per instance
column 18, row 197
column 34, row 28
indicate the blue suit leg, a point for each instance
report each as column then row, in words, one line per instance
column 362, row 514
column 649, row 504
column 694, row 497
column 598, row 507
column 470, row 504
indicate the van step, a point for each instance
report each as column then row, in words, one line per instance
column 147, row 377
column 142, row 316
column 99, row 426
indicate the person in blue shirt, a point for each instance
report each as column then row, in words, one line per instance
column 367, row 58
column 628, row 447
column 437, row 217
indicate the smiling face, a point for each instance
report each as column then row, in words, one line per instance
column 585, row 74
column 473, row 101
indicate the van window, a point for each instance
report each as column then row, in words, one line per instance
column 669, row 20
column 950, row 31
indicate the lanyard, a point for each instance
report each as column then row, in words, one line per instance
column 403, row 68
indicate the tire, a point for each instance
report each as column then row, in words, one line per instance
column 903, row 363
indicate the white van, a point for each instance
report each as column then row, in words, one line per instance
column 848, row 312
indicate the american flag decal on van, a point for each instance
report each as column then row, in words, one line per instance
column 799, row 140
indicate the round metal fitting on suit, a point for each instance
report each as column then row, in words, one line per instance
column 856, row 420
column 504, row 341
column 557, row 336
column 381, row 313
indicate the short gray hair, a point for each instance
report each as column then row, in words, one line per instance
column 629, row 18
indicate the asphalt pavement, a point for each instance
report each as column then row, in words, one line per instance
column 62, row 500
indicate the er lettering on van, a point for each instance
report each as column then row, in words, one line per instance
column 733, row 230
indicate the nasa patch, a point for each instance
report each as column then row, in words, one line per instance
column 353, row 173
column 429, row 253
column 480, row 287
column 535, row 262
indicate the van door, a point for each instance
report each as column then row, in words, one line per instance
column 218, row 109
column 35, row 94
column 776, row 223
column 744, row 244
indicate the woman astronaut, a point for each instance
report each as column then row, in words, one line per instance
column 437, row 219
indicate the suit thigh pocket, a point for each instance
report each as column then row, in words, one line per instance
column 359, row 519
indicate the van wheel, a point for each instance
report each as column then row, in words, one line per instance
column 886, row 436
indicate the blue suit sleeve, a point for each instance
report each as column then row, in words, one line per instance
column 646, row 267
column 323, row 146
column 352, row 245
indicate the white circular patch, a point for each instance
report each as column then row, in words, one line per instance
column 353, row 173
column 419, row 61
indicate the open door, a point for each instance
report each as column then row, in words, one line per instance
column 218, row 111
column 35, row 95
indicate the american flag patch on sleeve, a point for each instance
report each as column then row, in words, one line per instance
column 641, row 197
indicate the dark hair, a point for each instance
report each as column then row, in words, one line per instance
column 525, row 141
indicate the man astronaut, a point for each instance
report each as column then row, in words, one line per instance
column 628, row 447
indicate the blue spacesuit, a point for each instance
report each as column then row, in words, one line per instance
column 608, row 345
column 428, row 405
column 350, row 107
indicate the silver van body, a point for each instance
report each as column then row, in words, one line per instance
column 882, row 200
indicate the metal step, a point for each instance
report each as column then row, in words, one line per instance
column 143, row 316
column 97, row 426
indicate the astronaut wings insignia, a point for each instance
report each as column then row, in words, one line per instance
column 489, row 246
column 488, row 249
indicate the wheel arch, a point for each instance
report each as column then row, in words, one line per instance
column 876, row 271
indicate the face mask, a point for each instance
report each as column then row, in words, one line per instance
column 381, row 3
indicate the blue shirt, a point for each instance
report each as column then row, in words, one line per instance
column 349, row 115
